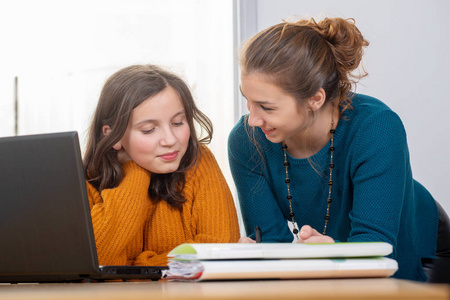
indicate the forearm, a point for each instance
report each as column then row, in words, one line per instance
column 118, row 214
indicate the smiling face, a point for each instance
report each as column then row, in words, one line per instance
column 158, row 134
column 276, row 112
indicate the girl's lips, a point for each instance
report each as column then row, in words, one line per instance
column 268, row 132
column 169, row 156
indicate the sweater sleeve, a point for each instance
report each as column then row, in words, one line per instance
column 119, row 214
column 259, row 206
column 379, row 171
column 208, row 215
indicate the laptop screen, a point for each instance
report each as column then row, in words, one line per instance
column 44, row 211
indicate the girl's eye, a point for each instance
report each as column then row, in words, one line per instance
column 265, row 108
column 148, row 131
column 178, row 123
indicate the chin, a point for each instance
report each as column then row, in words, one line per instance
column 274, row 140
column 165, row 169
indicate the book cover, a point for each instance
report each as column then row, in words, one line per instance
column 196, row 262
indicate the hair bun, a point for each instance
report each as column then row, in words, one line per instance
column 345, row 39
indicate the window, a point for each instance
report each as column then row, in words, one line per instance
column 61, row 53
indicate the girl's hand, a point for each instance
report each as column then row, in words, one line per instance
column 246, row 240
column 310, row 235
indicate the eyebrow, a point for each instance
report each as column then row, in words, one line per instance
column 181, row 112
column 255, row 101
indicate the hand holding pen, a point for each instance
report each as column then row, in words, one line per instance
column 258, row 237
column 258, row 234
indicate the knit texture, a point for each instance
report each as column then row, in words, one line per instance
column 131, row 229
column 374, row 195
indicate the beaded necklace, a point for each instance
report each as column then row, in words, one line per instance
column 330, row 182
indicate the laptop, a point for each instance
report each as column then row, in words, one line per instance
column 46, row 232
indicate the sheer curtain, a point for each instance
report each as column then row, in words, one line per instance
column 62, row 52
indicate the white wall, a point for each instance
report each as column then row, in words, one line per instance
column 408, row 65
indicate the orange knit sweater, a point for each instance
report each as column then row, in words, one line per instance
column 132, row 230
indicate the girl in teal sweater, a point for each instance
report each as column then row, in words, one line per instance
column 333, row 163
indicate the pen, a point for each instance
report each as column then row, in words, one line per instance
column 258, row 234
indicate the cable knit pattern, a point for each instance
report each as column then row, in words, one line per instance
column 375, row 197
column 131, row 229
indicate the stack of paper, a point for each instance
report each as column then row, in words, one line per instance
column 280, row 261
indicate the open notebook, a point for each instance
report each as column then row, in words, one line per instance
column 280, row 261
column 45, row 224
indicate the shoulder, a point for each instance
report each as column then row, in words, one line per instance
column 206, row 173
column 240, row 131
column 369, row 112
column 368, row 104
column 371, row 123
column 206, row 154
column 206, row 162
column 244, row 139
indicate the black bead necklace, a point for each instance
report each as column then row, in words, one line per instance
column 330, row 182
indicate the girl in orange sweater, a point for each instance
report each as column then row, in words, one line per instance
column 152, row 184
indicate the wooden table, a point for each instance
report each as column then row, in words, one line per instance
column 385, row 288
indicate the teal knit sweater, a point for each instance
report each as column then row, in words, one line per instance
column 375, row 197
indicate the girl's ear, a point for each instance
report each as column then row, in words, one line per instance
column 317, row 101
column 106, row 131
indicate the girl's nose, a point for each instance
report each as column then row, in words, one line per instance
column 168, row 138
column 253, row 119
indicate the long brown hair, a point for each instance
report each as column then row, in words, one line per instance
column 123, row 91
column 303, row 56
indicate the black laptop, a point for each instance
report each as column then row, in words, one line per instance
column 46, row 230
